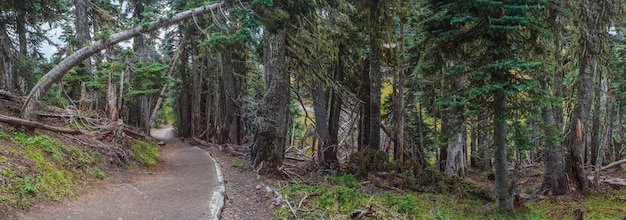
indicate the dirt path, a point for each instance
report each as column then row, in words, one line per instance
column 185, row 189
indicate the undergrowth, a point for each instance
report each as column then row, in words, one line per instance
column 340, row 196
column 146, row 152
column 37, row 166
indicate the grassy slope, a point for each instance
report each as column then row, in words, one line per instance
column 35, row 167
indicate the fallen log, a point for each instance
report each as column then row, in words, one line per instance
column 614, row 164
column 33, row 124
column 204, row 143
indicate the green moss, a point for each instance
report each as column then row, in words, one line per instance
column 39, row 166
column 239, row 164
column 146, row 153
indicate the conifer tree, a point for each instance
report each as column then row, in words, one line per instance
column 482, row 40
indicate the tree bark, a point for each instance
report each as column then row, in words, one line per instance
column 375, row 75
column 230, row 122
column 33, row 124
column 592, row 153
column 335, row 101
column 268, row 147
column 196, row 94
column 455, row 160
column 503, row 194
column 399, row 147
column 326, row 151
column 59, row 70
column 23, row 51
column 365, row 113
column 455, row 126
column 7, row 52
column 607, row 134
column 554, row 174
column 183, row 102
column 82, row 32
column 577, row 136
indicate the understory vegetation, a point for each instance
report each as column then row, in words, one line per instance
column 345, row 197
column 36, row 167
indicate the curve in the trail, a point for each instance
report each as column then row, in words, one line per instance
column 190, row 188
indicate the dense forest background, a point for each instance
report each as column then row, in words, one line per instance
column 389, row 87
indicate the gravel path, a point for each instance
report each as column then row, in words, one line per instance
column 184, row 189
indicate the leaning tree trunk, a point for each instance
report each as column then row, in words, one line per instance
column 54, row 75
column 268, row 147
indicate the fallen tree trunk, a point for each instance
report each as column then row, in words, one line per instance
column 37, row 125
column 204, row 143
column 614, row 164
column 66, row 64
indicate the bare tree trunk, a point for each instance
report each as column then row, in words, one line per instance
column 620, row 134
column 335, row 102
column 208, row 112
column 114, row 114
column 268, row 147
column 60, row 69
column 554, row 174
column 577, row 138
column 196, row 94
column 607, row 134
column 183, row 102
column 230, row 122
column 504, row 198
column 399, row 147
column 6, row 63
column 595, row 123
column 419, row 153
column 455, row 126
column 82, row 31
column 455, row 160
column 23, row 52
column 375, row 74
column 365, row 113
column 326, row 151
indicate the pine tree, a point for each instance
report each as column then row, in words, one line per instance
column 481, row 39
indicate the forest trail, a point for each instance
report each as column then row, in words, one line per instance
column 182, row 187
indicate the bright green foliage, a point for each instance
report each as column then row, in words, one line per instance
column 49, row 169
column 150, row 78
column 239, row 164
column 145, row 152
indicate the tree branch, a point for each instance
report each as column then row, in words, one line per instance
column 79, row 56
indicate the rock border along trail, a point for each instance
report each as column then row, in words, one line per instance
column 190, row 186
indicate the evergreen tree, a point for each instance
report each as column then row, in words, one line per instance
column 482, row 39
